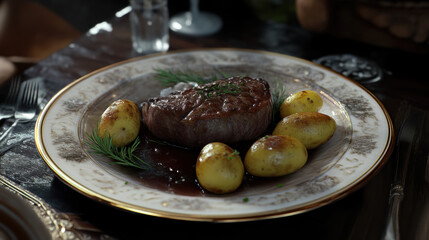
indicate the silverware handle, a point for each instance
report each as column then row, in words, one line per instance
column 395, row 199
column 60, row 225
column 6, row 133
column 408, row 139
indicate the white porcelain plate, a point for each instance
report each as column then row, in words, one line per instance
column 360, row 145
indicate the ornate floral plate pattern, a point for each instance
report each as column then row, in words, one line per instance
column 360, row 146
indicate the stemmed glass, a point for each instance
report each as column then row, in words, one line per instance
column 195, row 22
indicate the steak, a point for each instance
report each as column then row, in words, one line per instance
column 227, row 110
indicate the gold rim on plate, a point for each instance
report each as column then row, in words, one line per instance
column 348, row 94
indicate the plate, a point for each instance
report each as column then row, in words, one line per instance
column 19, row 219
column 359, row 147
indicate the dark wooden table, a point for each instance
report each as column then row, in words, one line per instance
column 359, row 215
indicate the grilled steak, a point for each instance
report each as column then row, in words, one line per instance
column 227, row 110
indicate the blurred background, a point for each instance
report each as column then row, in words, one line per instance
column 31, row 30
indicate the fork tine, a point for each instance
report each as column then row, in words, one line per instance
column 13, row 90
column 30, row 94
column 35, row 94
column 24, row 94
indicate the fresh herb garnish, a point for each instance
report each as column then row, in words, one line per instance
column 122, row 155
column 235, row 153
column 279, row 95
column 218, row 89
column 170, row 77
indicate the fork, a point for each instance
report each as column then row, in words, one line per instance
column 8, row 107
column 408, row 139
column 27, row 106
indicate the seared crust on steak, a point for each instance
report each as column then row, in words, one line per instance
column 227, row 110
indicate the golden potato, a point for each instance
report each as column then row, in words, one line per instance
column 121, row 120
column 303, row 101
column 219, row 168
column 311, row 128
column 274, row 156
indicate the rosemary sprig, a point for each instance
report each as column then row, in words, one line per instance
column 122, row 155
column 218, row 89
column 279, row 95
column 170, row 77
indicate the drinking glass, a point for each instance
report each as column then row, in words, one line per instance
column 149, row 26
column 195, row 22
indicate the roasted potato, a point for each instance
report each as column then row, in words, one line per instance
column 219, row 168
column 274, row 156
column 303, row 101
column 121, row 120
column 311, row 128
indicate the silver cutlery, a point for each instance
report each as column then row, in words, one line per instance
column 26, row 107
column 60, row 225
column 7, row 108
column 408, row 137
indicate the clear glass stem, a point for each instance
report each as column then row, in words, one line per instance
column 194, row 9
column 195, row 22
